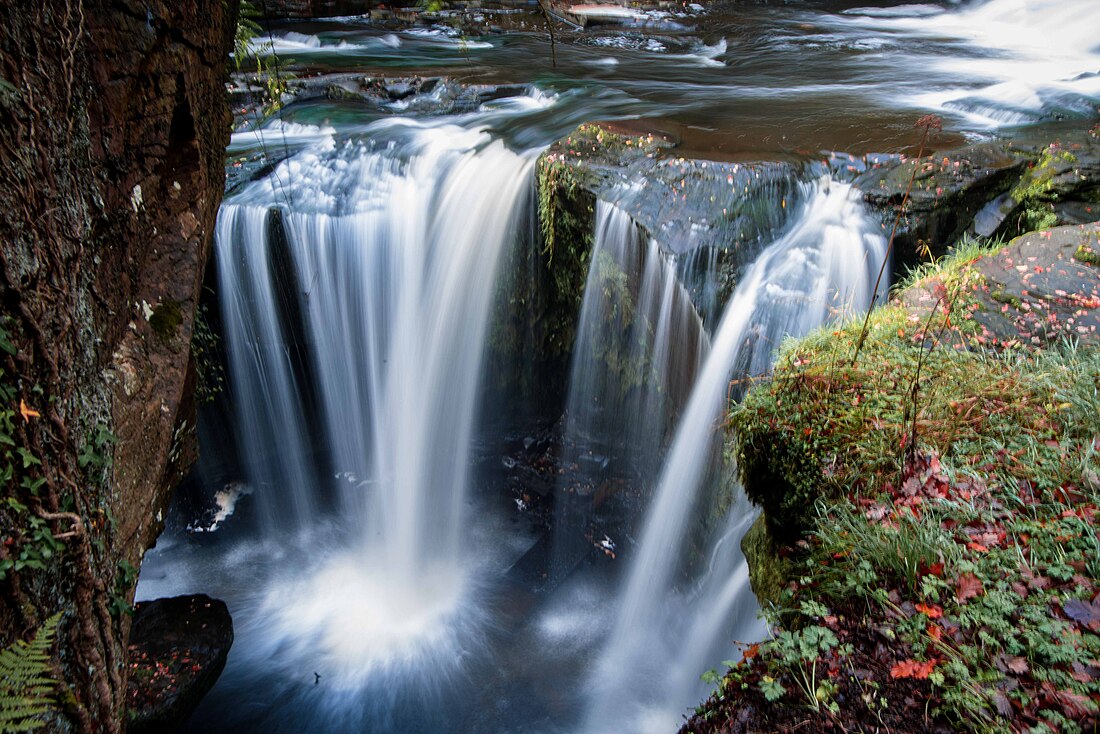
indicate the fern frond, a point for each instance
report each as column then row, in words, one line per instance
column 27, row 684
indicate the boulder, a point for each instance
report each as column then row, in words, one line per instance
column 178, row 648
column 1040, row 289
column 948, row 191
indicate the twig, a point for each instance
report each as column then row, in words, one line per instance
column 928, row 123
column 550, row 28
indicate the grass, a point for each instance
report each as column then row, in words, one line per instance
column 944, row 498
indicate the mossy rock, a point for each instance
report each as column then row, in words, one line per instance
column 166, row 320
column 769, row 571
column 780, row 473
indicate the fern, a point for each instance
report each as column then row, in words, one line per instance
column 26, row 681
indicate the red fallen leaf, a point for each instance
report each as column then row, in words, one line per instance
column 989, row 537
column 934, row 631
column 936, row 569
column 977, row 547
column 968, row 586
column 751, row 651
column 1086, row 673
column 932, row 611
column 913, row 669
column 910, row 486
column 1074, row 705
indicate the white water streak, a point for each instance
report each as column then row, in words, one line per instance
column 394, row 254
column 822, row 269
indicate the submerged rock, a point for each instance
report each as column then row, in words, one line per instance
column 178, row 648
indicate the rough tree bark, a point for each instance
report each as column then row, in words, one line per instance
column 113, row 125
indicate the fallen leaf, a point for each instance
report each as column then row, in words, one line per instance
column 968, row 586
column 932, row 611
column 1082, row 612
column 27, row 412
column 913, row 669
column 936, row 569
column 876, row 512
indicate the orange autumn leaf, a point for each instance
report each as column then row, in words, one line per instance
column 913, row 669
column 932, row 611
column 28, row 412
column 935, row 631
column 751, row 651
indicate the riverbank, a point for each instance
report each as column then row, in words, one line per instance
column 928, row 553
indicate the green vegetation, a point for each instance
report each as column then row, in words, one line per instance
column 205, row 346
column 27, row 685
column 267, row 75
column 166, row 320
column 31, row 545
column 1034, row 190
column 940, row 506
column 1087, row 255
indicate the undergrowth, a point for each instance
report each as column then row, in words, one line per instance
column 941, row 506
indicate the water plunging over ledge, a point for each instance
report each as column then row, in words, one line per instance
column 371, row 573
column 823, row 268
column 356, row 286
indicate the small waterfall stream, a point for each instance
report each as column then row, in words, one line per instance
column 639, row 345
column 823, row 268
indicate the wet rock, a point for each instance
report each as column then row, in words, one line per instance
column 948, row 192
column 1001, row 189
column 1042, row 288
column 716, row 214
column 1060, row 186
column 178, row 648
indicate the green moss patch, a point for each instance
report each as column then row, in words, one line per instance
column 166, row 320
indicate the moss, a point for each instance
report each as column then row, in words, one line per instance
column 769, row 572
column 1035, row 189
column 1001, row 297
column 1087, row 255
column 781, row 473
column 540, row 290
column 166, row 319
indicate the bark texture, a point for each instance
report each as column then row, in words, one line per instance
column 113, row 125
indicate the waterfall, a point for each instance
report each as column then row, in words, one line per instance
column 639, row 344
column 821, row 269
column 373, row 286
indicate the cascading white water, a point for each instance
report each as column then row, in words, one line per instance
column 393, row 250
column 823, row 268
column 271, row 414
column 639, row 345
column 639, row 340
column 1032, row 58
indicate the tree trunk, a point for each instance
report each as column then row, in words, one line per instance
column 113, row 126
